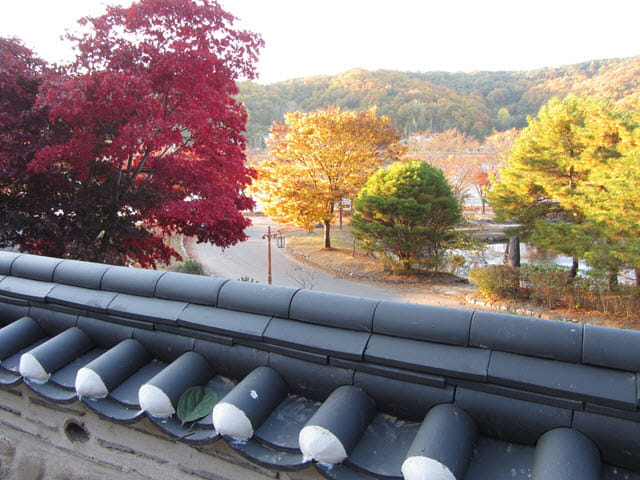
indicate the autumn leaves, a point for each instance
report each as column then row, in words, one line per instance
column 319, row 158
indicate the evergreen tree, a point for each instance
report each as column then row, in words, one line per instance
column 569, row 182
column 408, row 211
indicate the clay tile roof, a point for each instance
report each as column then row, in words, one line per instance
column 355, row 388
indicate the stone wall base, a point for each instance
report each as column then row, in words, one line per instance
column 42, row 440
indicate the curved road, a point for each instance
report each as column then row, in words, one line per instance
column 249, row 260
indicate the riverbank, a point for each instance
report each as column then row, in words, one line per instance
column 345, row 259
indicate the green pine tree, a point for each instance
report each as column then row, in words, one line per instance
column 408, row 212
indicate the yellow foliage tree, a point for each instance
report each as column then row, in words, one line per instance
column 318, row 158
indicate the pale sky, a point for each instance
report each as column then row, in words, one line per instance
column 314, row 37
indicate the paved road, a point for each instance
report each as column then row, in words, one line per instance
column 249, row 259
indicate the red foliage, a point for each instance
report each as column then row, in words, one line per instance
column 154, row 141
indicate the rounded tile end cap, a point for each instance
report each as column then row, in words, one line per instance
column 89, row 384
column 229, row 420
column 155, row 401
column 31, row 368
column 321, row 445
column 425, row 468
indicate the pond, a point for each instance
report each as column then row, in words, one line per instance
column 494, row 254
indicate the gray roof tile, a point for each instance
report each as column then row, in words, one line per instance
column 384, row 434
column 527, row 336
column 163, row 345
column 113, row 411
column 104, row 334
column 6, row 259
column 516, row 378
column 520, row 394
column 235, row 361
column 127, row 392
column 599, row 385
column 189, row 288
column 612, row 347
column 51, row 321
column 18, row 335
column 618, row 440
column 423, row 322
column 559, row 444
column 333, row 310
column 61, row 350
column 317, row 338
column 52, row 392
column 10, row 311
column 25, row 288
column 454, row 361
column 82, row 298
column 66, row 376
column 80, row 274
column 281, row 429
column 311, row 380
column 224, row 322
column 391, row 372
column 146, row 309
column 195, row 334
column 403, row 399
column 256, row 298
column 509, row 419
column 134, row 281
column 35, row 268
column 269, row 458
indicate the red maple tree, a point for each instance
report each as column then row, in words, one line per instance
column 152, row 141
column 27, row 198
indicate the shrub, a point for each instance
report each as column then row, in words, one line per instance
column 248, row 280
column 190, row 266
column 550, row 286
column 546, row 284
column 496, row 281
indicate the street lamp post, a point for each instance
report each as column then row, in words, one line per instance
column 279, row 236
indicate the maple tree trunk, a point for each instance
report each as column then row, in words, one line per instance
column 327, row 233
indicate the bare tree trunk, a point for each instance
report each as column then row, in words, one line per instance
column 505, row 259
column 327, row 233
column 513, row 259
column 574, row 268
column 612, row 280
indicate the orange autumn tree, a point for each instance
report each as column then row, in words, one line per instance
column 318, row 158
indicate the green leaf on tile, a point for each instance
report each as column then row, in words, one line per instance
column 196, row 403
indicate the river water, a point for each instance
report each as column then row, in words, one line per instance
column 494, row 254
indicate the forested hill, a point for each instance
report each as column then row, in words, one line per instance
column 475, row 103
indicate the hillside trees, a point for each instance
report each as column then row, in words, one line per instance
column 570, row 180
column 319, row 158
column 152, row 139
column 407, row 211
column 476, row 103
